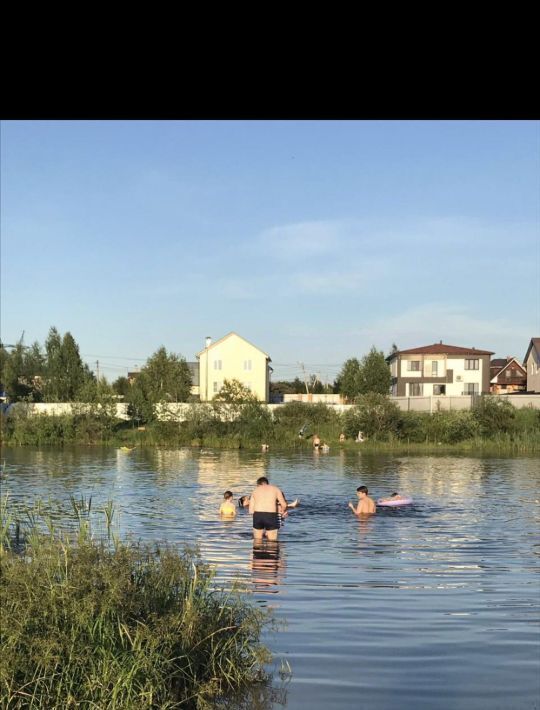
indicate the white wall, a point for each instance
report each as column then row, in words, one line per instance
column 178, row 411
column 233, row 358
column 533, row 372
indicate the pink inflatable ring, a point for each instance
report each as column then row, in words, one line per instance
column 394, row 503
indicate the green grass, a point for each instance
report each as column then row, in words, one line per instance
column 88, row 623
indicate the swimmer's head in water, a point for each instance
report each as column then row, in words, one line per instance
column 262, row 480
column 227, row 495
column 243, row 501
column 362, row 489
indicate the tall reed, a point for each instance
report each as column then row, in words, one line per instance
column 93, row 625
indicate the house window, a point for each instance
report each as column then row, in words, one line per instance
column 217, row 364
column 247, row 364
column 471, row 388
column 472, row 364
column 415, row 389
column 413, row 365
column 217, row 387
column 508, row 373
column 439, row 389
column 434, row 368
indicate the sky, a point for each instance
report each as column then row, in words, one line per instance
column 314, row 240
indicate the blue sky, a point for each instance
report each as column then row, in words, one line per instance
column 313, row 239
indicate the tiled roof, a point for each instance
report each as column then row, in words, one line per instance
column 498, row 362
column 442, row 349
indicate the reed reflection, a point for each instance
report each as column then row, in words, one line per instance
column 267, row 566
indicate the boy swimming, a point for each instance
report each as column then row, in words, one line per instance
column 366, row 505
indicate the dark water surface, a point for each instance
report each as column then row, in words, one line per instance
column 436, row 605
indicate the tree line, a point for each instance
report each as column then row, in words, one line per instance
column 55, row 372
column 356, row 378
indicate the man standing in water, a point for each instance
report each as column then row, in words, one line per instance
column 366, row 505
column 263, row 505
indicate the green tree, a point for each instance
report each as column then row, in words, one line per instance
column 298, row 386
column 374, row 414
column 374, row 373
column 236, row 404
column 234, row 392
column 349, row 379
column 65, row 372
column 494, row 416
column 121, row 386
column 34, row 370
column 13, row 373
column 53, row 369
column 165, row 378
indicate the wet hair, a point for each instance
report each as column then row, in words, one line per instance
column 227, row 495
column 362, row 489
column 261, row 480
column 242, row 501
column 394, row 495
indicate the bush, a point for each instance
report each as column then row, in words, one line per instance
column 413, row 426
column 494, row 416
column 450, row 427
column 131, row 627
column 375, row 415
column 294, row 415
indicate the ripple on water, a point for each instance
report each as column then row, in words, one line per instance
column 434, row 605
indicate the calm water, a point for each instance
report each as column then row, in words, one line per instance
column 433, row 606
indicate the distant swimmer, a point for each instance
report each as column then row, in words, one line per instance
column 366, row 505
column 263, row 505
column 227, row 509
column 394, row 498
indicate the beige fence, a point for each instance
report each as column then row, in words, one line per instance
column 178, row 411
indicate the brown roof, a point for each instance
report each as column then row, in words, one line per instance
column 499, row 362
column 442, row 349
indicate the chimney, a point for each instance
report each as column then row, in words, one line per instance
column 208, row 341
column 508, row 358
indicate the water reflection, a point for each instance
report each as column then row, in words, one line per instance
column 267, row 566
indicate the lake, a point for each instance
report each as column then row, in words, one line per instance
column 434, row 605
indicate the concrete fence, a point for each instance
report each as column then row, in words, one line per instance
column 179, row 411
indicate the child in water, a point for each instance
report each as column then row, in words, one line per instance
column 227, row 508
column 390, row 499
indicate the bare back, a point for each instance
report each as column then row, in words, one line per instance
column 265, row 498
column 366, row 506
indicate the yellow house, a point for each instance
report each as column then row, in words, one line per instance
column 233, row 357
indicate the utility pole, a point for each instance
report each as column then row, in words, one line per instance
column 305, row 379
column 97, row 370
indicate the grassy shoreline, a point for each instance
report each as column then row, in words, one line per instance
column 104, row 623
column 489, row 427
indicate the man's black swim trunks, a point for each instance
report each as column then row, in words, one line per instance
column 265, row 521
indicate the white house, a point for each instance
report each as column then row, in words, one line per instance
column 439, row 369
column 233, row 357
